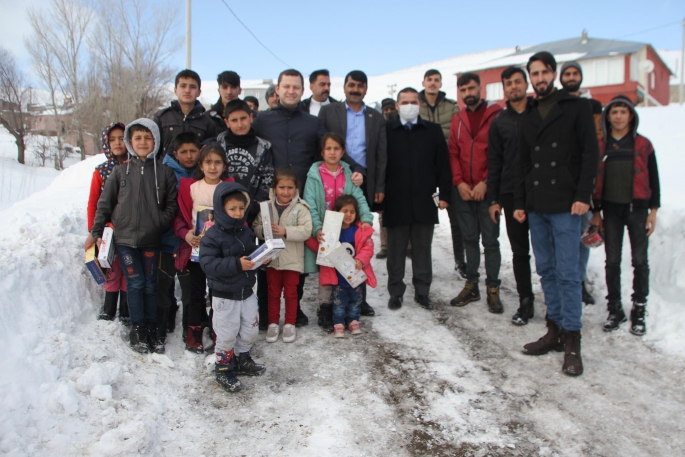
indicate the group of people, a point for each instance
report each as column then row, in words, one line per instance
column 195, row 215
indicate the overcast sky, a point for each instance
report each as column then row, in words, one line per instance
column 379, row 36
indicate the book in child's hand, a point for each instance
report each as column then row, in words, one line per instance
column 332, row 224
column 94, row 266
column 203, row 221
column 346, row 266
column 269, row 250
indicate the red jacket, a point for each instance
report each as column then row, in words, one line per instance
column 93, row 197
column 469, row 155
column 363, row 245
column 184, row 221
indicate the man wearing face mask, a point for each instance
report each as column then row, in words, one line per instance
column 320, row 85
column 417, row 165
column 468, row 149
column 364, row 130
column 571, row 78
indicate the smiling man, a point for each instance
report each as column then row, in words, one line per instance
column 320, row 85
column 554, row 183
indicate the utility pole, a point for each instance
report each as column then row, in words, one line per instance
column 188, row 32
column 391, row 90
column 682, row 66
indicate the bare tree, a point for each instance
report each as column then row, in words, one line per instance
column 43, row 149
column 14, row 94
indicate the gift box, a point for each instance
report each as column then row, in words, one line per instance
column 343, row 261
column 94, row 266
column 267, row 217
column 332, row 224
column 269, row 250
column 106, row 250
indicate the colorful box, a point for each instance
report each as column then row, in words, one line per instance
column 267, row 216
column 269, row 250
column 332, row 224
column 94, row 266
column 345, row 264
column 106, row 250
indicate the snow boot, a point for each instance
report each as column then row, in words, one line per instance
column 637, row 319
column 468, row 294
column 550, row 341
column 326, row 317
column 223, row 370
column 616, row 316
column 587, row 298
column 155, row 339
column 573, row 362
column 138, row 339
column 244, row 365
column 526, row 311
column 109, row 309
column 171, row 319
column 494, row 303
column 124, row 316
column 194, row 339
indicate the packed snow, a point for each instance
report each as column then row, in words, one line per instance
column 448, row 382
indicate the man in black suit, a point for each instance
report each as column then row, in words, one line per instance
column 364, row 130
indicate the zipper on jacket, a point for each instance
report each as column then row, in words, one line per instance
column 242, row 291
column 140, row 187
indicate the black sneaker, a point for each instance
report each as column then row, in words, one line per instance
column 526, row 311
column 616, row 317
column 468, row 294
column 300, row 321
column 637, row 319
column 138, row 339
column 587, row 298
column 225, row 377
column 494, row 303
column 367, row 310
column 460, row 268
column 395, row 302
column 244, row 365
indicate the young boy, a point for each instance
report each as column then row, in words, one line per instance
column 183, row 162
column 627, row 194
column 139, row 199
column 186, row 114
column 223, row 252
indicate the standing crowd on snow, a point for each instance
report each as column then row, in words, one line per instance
column 186, row 195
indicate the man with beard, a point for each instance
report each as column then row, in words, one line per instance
column 320, row 85
column 229, row 89
column 436, row 107
column 571, row 78
column 364, row 130
column 555, row 179
column 503, row 144
column 468, row 151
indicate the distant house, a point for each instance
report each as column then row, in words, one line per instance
column 610, row 68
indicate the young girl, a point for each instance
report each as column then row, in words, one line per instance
column 195, row 195
column 347, row 299
column 291, row 222
column 326, row 181
column 115, row 288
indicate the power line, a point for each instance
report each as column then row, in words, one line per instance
column 253, row 35
column 651, row 30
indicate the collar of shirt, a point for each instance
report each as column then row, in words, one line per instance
column 315, row 103
column 412, row 121
column 350, row 110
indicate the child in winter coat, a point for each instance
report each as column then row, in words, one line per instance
column 115, row 288
column 139, row 199
column 292, row 223
column 326, row 181
column 223, row 258
column 196, row 203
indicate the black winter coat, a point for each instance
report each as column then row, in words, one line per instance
column 222, row 247
column 503, row 145
column 171, row 121
column 216, row 113
column 417, row 165
column 558, row 157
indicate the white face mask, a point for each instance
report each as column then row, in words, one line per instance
column 409, row 112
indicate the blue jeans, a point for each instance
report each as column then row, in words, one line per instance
column 555, row 239
column 140, row 267
column 584, row 250
column 346, row 304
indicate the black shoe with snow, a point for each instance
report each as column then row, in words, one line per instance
column 525, row 312
column 494, row 303
column 587, row 298
column 125, row 321
column 326, row 317
column 395, row 302
column 468, row 294
column 155, row 340
column 300, row 321
column 225, row 377
column 425, row 302
column 138, row 339
column 105, row 317
column 382, row 254
column 637, row 319
column 616, row 316
column 460, row 268
column 244, row 365
column 367, row 310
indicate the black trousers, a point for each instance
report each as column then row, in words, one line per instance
column 616, row 217
column 518, row 234
column 197, row 309
column 457, row 238
column 421, row 237
column 165, row 281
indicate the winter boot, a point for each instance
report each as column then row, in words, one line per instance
column 138, row 339
column 124, row 317
column 494, row 303
column 637, row 319
column 244, row 365
column 550, row 341
column 526, row 311
column 301, row 320
column 382, row 254
column 326, row 317
column 109, row 310
column 194, row 339
column 616, row 316
column 223, row 370
column 155, row 339
column 171, row 319
column 468, row 294
column 587, row 298
column 573, row 362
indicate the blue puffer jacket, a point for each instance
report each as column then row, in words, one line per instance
column 171, row 242
column 222, row 247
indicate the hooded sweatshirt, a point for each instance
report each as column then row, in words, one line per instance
column 102, row 172
column 139, row 198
